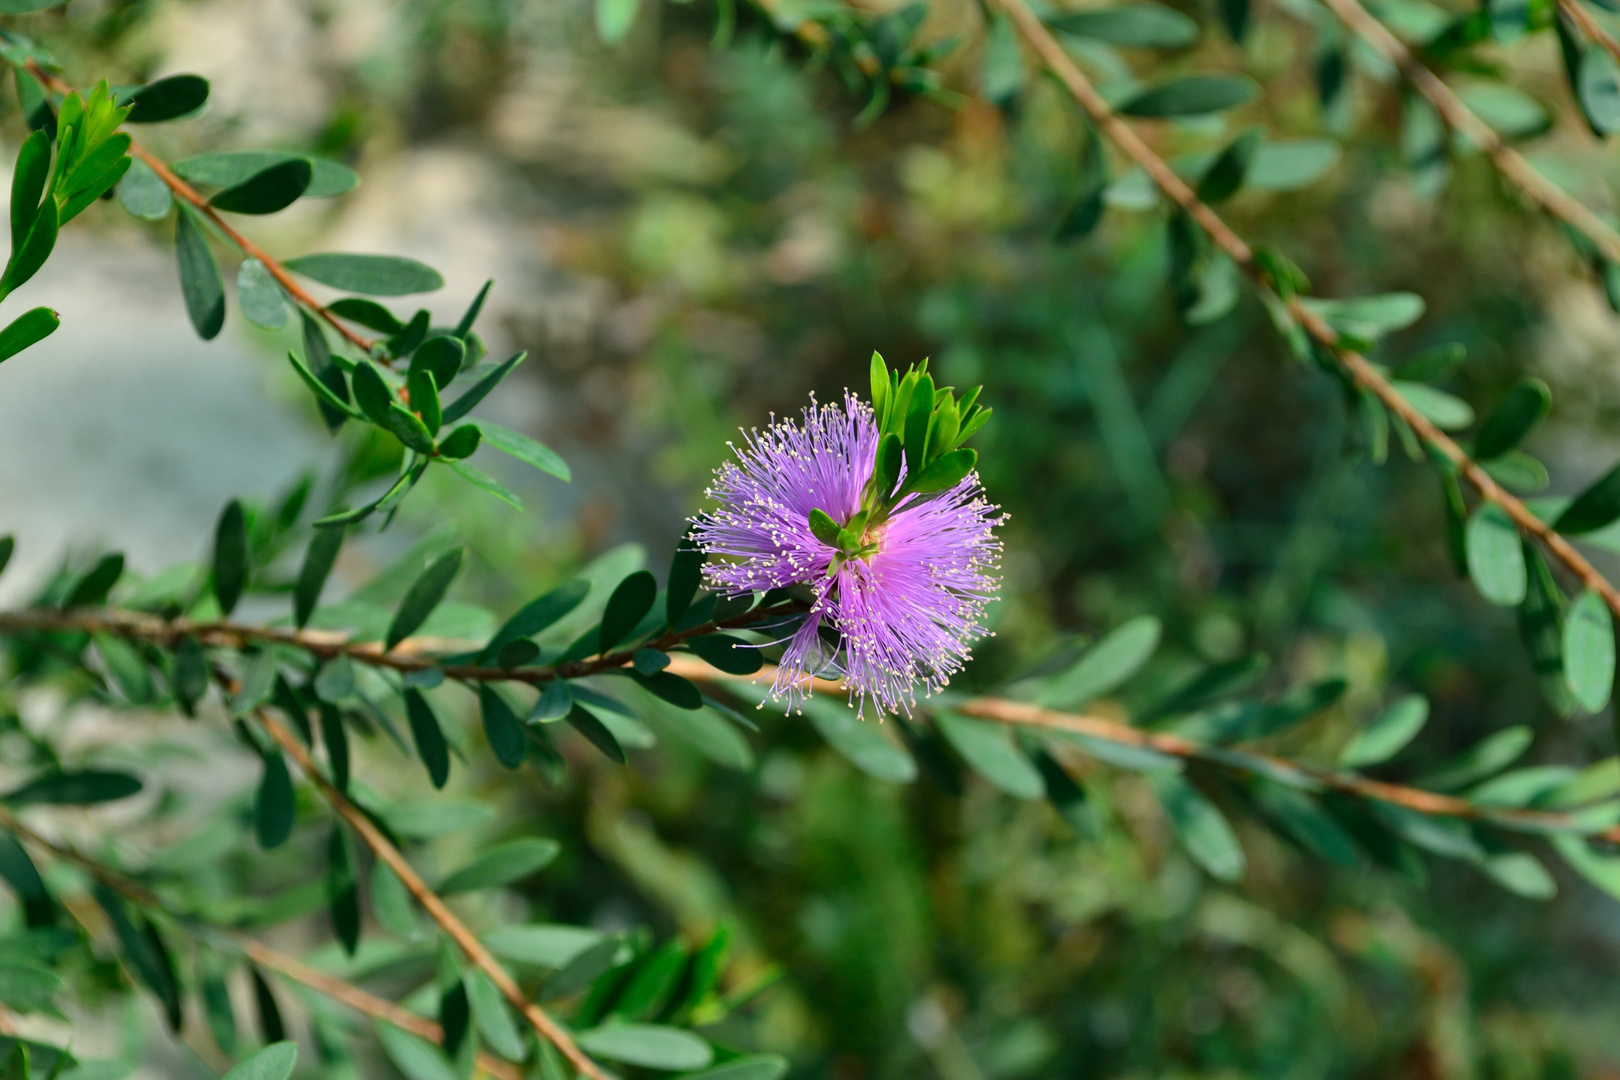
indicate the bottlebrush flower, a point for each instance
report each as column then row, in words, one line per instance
column 900, row 569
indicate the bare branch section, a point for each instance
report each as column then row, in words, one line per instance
column 1023, row 714
column 1460, row 118
column 436, row 908
column 190, row 195
column 1357, row 366
column 290, row 967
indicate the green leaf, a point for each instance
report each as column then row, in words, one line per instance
column 483, row 480
column 614, row 19
column 272, row 1063
column 1597, row 506
column 1517, row 470
column 413, row 1056
column 1226, row 175
column 423, row 596
column 258, row 682
column 79, row 788
column 92, row 589
column 266, row 192
column 536, row 615
column 524, row 449
column 319, row 559
column 1522, row 873
column 428, row 736
column 494, row 1017
column 1194, row 95
column 1489, row 757
column 424, row 394
column 1388, row 735
column 1105, row 665
column 480, row 390
column 1432, row 364
column 944, row 472
column 502, row 727
column 168, row 99
column 1200, row 827
column 1370, row 316
column 685, row 575
column 26, row 988
column 28, row 180
column 1524, row 406
column 274, row 806
column 325, row 396
column 408, row 428
column 541, row 945
column 367, row 313
column 230, row 556
column 143, row 952
column 261, row 299
column 441, row 355
column 227, row 168
column 1140, row 25
column 650, row 1045
column 460, row 443
column 371, row 275
column 502, row 865
column 342, row 890
column 990, row 751
column 727, row 653
column 1496, row 556
column 270, row 1022
column 29, row 328
column 1291, row 164
column 752, row 1067
column 30, row 255
column 23, row 877
column 1305, row 822
column 632, row 599
column 586, row 723
column 200, row 279
column 823, row 527
column 1602, row 870
column 1509, row 111
column 860, row 741
column 1002, row 74
column 391, row 903
column 335, row 737
column 8, row 545
column 1597, row 89
column 1589, row 651
column 670, row 687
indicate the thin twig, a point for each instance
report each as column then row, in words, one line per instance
column 436, row 908
column 331, row 986
column 1459, row 117
column 1023, row 714
column 1590, row 26
column 189, row 194
column 1360, row 370
column 410, row 655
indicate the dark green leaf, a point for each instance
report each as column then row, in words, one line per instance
column 502, row 727
column 460, row 443
column 1002, row 74
column 270, row 1022
column 23, row 877
column 442, row 355
column 275, row 188
column 216, row 1001
column 1105, row 665
column 230, row 556
column 480, row 390
column 685, row 575
column 455, row 1017
column 423, row 596
column 342, row 890
column 424, row 395
column 751, row 1067
column 371, row 275
column 1589, row 651
column 8, row 544
column 631, row 600
column 336, row 739
column 1526, row 403
column 1541, row 626
column 143, row 952
column 502, row 865
column 670, row 687
column 1489, row 757
column 1194, row 95
column 1140, row 25
column 92, row 589
column 272, row 1063
column 585, row 722
column 227, row 168
column 274, row 806
column 1227, row 174
column 367, row 313
column 554, row 702
column 470, row 316
column 1432, row 364
column 494, row 1017
column 191, row 673
column 729, row 654
column 537, row 614
column 30, row 255
column 1593, row 508
column 862, row 742
column 991, row 753
column 82, row 787
column 29, row 328
column 319, row 559
column 408, row 428
column 429, row 737
column 168, row 99
column 944, row 472
column 28, row 180
column 200, row 279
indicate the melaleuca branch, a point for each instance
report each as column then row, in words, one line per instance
column 291, row 967
column 1279, row 283
column 465, row 939
column 1460, row 118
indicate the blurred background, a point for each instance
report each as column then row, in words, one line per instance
column 693, row 229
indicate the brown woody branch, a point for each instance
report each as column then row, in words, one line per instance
column 1363, row 373
column 331, row 986
column 436, row 908
column 1023, row 714
column 1460, row 118
column 188, row 194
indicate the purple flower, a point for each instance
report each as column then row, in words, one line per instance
column 902, row 613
